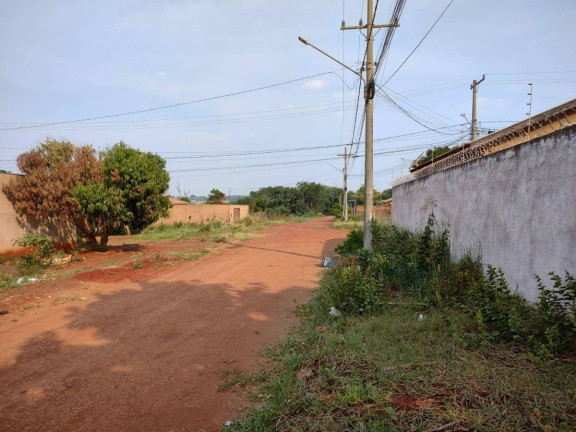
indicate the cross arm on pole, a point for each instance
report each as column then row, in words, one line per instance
column 364, row 27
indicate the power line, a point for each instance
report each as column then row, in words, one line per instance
column 394, row 19
column 419, row 43
column 206, row 116
column 194, row 124
column 172, row 105
column 406, row 112
column 203, row 155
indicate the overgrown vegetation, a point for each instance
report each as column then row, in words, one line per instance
column 423, row 343
column 419, row 266
column 40, row 248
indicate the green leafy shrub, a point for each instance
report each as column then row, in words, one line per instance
column 547, row 327
column 418, row 265
column 336, row 210
column 41, row 250
column 353, row 244
column 556, row 313
column 354, row 291
column 497, row 310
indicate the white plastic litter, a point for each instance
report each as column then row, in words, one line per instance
column 334, row 312
column 420, row 317
column 24, row 279
column 327, row 262
column 228, row 423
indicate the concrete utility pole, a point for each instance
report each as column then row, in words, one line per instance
column 369, row 90
column 346, row 156
column 474, row 88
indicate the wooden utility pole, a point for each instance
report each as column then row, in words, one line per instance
column 346, row 157
column 369, row 90
column 474, row 88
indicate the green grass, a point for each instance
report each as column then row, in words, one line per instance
column 8, row 281
column 215, row 230
column 356, row 223
column 187, row 255
column 72, row 298
column 392, row 372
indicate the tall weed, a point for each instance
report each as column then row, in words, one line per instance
column 419, row 266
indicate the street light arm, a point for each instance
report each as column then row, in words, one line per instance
column 305, row 42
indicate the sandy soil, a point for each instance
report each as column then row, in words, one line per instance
column 143, row 349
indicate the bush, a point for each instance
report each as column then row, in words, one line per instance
column 353, row 244
column 353, row 291
column 418, row 265
column 336, row 210
column 41, row 250
column 547, row 327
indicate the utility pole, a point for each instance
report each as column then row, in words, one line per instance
column 474, row 88
column 369, row 91
column 529, row 113
column 346, row 156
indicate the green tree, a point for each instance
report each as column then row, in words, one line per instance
column 102, row 208
column 359, row 196
column 216, row 197
column 432, row 153
column 245, row 200
column 305, row 198
column 386, row 194
column 141, row 179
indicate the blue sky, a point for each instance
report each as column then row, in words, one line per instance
column 68, row 60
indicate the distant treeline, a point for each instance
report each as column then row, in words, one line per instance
column 304, row 198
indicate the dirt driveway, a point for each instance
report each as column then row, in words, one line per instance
column 147, row 355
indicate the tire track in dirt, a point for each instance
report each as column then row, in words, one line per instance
column 147, row 355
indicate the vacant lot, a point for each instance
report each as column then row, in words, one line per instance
column 130, row 340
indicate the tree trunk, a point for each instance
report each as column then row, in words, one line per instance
column 104, row 239
column 92, row 241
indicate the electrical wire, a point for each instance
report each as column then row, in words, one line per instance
column 394, row 20
column 172, row 105
column 419, row 43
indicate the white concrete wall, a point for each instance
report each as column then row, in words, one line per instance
column 517, row 207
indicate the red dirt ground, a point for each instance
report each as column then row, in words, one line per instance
column 144, row 350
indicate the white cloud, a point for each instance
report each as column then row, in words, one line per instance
column 161, row 74
column 315, row 85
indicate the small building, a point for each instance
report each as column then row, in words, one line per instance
column 382, row 211
column 184, row 212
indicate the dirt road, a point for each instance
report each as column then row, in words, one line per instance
column 147, row 355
